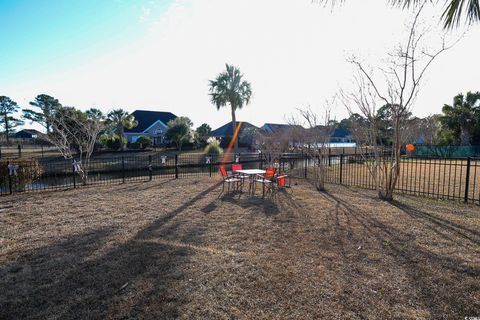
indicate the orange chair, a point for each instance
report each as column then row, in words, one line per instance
column 267, row 180
column 228, row 179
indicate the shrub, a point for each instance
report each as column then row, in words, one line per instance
column 28, row 170
column 134, row 145
column 145, row 141
column 112, row 142
column 213, row 147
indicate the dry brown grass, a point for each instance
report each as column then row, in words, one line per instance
column 180, row 249
column 443, row 178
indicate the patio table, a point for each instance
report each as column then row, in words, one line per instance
column 251, row 173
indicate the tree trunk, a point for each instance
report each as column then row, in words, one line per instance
column 7, row 133
column 464, row 137
column 120, row 133
column 234, row 127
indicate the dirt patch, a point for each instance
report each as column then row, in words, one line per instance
column 182, row 249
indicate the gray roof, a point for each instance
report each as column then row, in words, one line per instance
column 227, row 131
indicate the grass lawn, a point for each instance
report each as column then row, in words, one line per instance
column 179, row 249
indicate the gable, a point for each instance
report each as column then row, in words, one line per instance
column 156, row 127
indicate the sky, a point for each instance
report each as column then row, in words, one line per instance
column 159, row 55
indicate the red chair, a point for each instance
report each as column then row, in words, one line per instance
column 238, row 166
column 283, row 181
column 228, row 179
column 267, row 180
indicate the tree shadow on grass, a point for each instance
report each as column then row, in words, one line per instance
column 267, row 206
column 445, row 285
column 73, row 278
column 437, row 223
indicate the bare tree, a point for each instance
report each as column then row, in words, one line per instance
column 272, row 145
column 74, row 133
column 314, row 139
column 424, row 130
column 395, row 85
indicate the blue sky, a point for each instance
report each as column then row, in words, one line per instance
column 45, row 35
column 160, row 55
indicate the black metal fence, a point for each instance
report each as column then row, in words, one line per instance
column 433, row 177
column 38, row 151
column 456, row 179
column 17, row 175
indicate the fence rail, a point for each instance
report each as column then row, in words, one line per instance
column 457, row 179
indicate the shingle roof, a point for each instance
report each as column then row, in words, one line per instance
column 340, row 133
column 227, row 131
column 147, row 118
column 280, row 127
column 26, row 133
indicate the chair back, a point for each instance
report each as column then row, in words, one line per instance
column 269, row 173
column 236, row 166
column 223, row 171
column 281, row 181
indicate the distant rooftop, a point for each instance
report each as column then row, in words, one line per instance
column 227, row 131
column 146, row 118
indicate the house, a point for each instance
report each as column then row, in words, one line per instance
column 152, row 124
column 225, row 133
column 27, row 134
column 280, row 128
column 341, row 135
column 289, row 134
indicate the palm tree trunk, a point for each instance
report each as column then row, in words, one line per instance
column 120, row 133
column 234, row 126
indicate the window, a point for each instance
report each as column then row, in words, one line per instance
column 158, row 131
column 134, row 138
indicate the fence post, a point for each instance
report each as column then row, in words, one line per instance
column 123, row 169
column 150, row 169
column 467, row 180
column 9, row 178
column 19, row 151
column 42, row 150
column 0, row 152
column 306, row 165
column 341, row 168
column 210, row 166
column 176, row 166
column 74, row 178
column 260, row 161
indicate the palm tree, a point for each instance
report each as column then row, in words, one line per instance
column 229, row 89
column 462, row 118
column 121, row 119
column 454, row 11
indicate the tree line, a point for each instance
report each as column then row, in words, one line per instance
column 457, row 125
column 61, row 122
